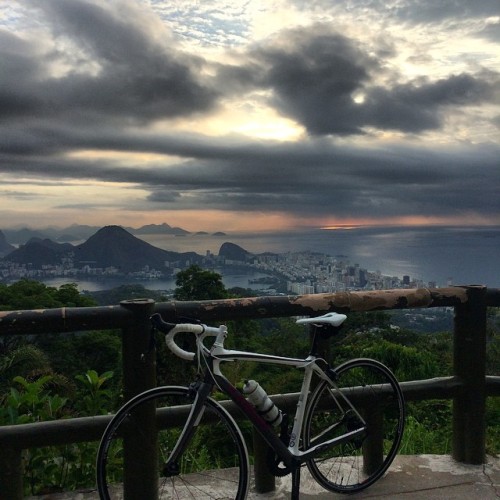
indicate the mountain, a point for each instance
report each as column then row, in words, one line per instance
column 72, row 233
column 114, row 246
column 5, row 247
column 22, row 236
column 232, row 251
column 38, row 251
column 79, row 232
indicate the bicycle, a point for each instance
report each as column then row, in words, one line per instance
column 347, row 426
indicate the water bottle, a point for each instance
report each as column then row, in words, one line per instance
column 259, row 398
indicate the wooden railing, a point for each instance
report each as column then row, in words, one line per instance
column 468, row 387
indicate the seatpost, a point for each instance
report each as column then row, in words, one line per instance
column 320, row 335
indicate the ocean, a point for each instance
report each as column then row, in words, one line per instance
column 442, row 255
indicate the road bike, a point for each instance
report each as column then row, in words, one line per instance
column 347, row 426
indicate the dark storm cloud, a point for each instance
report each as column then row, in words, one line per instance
column 419, row 106
column 314, row 78
column 132, row 76
column 117, row 77
column 327, row 82
column 307, row 178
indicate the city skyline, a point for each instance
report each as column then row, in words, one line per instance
column 261, row 115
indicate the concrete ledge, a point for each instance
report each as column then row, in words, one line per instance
column 429, row 477
column 411, row 477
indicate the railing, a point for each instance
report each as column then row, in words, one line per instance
column 468, row 387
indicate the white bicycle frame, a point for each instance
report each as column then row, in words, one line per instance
column 219, row 354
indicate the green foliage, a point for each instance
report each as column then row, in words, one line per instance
column 93, row 398
column 32, row 401
column 32, row 389
column 24, row 360
column 56, row 468
column 407, row 362
column 75, row 353
column 419, row 439
column 493, row 342
column 195, row 283
column 493, row 426
column 30, row 294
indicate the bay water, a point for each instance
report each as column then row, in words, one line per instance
column 440, row 255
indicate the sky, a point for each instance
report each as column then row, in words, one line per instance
column 254, row 115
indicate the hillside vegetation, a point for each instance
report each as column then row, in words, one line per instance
column 70, row 375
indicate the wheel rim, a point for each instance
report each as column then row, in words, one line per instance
column 213, row 465
column 356, row 464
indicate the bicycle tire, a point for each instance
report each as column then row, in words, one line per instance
column 344, row 468
column 213, row 465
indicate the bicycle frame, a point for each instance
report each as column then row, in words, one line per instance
column 291, row 456
column 324, row 417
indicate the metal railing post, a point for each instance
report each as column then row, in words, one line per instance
column 469, row 360
column 139, row 374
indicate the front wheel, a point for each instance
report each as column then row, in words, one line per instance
column 372, row 409
column 212, row 464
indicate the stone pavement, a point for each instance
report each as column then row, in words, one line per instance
column 411, row 477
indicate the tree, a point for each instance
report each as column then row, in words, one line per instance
column 31, row 294
column 195, row 283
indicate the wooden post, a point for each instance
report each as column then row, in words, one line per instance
column 11, row 474
column 264, row 479
column 469, row 360
column 139, row 374
column 373, row 444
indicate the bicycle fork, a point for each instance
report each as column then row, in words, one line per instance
column 201, row 390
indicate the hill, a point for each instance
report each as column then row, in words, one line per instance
column 232, row 251
column 39, row 252
column 114, row 246
column 110, row 246
column 5, row 247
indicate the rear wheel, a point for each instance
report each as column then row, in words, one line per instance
column 357, row 463
column 213, row 463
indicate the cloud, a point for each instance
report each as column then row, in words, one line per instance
column 119, row 72
column 113, row 94
column 315, row 176
column 328, row 83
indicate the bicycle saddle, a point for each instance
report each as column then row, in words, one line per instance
column 331, row 318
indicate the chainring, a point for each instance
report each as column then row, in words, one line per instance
column 276, row 465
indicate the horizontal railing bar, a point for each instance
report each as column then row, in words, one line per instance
column 54, row 432
column 82, row 429
column 68, row 319
column 434, row 388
